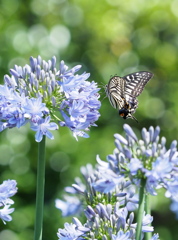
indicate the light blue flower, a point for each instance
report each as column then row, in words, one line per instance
column 106, row 185
column 155, row 237
column 172, row 188
column 121, row 236
column 70, row 207
column 4, row 214
column 134, row 165
column 37, row 91
column 78, row 111
column 103, row 208
column 147, row 220
column 35, row 109
column 7, row 189
column 72, row 231
column 145, row 158
column 42, row 128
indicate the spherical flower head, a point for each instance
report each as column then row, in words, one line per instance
column 109, row 221
column 146, row 158
column 108, row 213
column 47, row 98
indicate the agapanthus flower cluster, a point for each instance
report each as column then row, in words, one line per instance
column 108, row 215
column 7, row 189
column 146, row 159
column 108, row 196
column 47, row 98
column 82, row 193
column 105, row 222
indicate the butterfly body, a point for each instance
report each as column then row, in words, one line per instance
column 122, row 92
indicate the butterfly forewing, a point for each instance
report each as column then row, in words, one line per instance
column 136, row 82
column 115, row 91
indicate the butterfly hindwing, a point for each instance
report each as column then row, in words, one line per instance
column 115, row 91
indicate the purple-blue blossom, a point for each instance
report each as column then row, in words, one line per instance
column 155, row 237
column 106, row 185
column 121, row 235
column 120, row 221
column 108, row 194
column 40, row 94
column 147, row 157
column 109, row 191
column 43, row 127
column 7, row 189
column 113, row 208
column 70, row 207
column 72, row 231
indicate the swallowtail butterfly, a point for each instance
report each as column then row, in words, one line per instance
column 122, row 92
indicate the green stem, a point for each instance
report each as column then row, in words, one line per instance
column 140, row 209
column 40, row 190
column 147, row 204
column 148, row 235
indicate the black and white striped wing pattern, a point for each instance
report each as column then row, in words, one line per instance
column 135, row 83
column 115, row 91
column 123, row 92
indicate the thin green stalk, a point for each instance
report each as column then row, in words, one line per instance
column 140, row 209
column 148, row 235
column 147, row 204
column 40, row 190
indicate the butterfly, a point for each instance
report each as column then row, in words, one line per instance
column 122, row 92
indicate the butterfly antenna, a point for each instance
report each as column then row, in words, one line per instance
column 102, row 85
column 134, row 118
column 103, row 98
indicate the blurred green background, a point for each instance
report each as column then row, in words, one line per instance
column 107, row 37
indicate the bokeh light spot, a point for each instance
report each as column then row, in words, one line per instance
column 20, row 42
column 174, row 7
column 169, row 121
column 73, row 15
column 154, row 108
column 20, row 164
column 160, row 20
column 60, row 36
column 6, row 154
column 143, row 37
column 8, row 235
column 166, row 55
column 120, row 45
column 128, row 59
column 40, row 7
column 9, row 6
column 36, row 33
column 59, row 161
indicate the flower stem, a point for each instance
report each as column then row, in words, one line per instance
column 147, row 204
column 148, row 235
column 40, row 190
column 140, row 209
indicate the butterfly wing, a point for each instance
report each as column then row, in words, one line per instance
column 115, row 91
column 135, row 83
